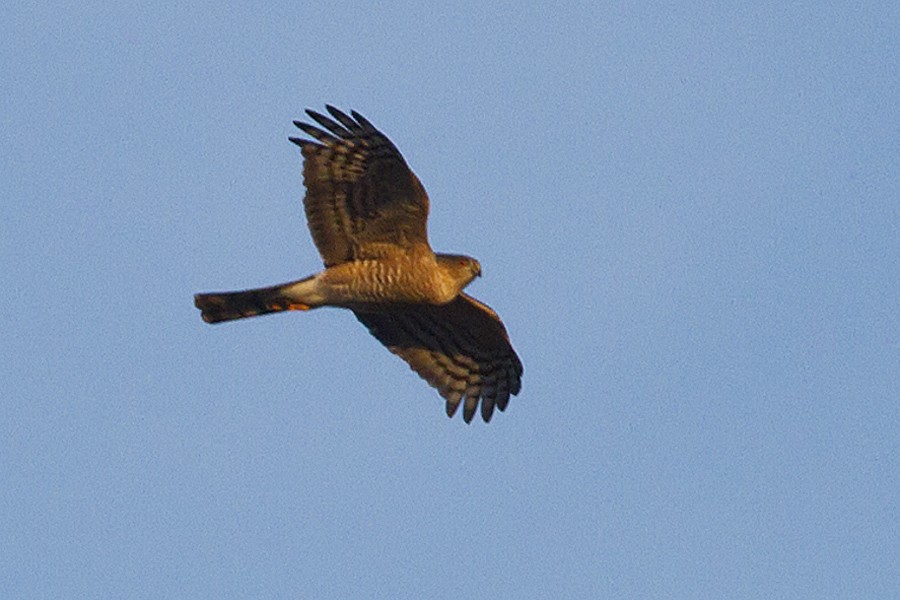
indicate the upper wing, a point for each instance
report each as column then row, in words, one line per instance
column 360, row 194
column 460, row 348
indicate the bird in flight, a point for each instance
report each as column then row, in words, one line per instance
column 367, row 213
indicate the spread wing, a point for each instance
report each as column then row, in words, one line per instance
column 362, row 200
column 460, row 348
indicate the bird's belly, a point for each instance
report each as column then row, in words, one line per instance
column 384, row 281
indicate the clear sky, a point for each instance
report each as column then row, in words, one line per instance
column 688, row 217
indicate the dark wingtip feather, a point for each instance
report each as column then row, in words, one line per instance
column 487, row 409
column 346, row 121
column 451, row 407
column 341, row 129
column 469, row 409
column 336, row 112
column 364, row 122
column 315, row 132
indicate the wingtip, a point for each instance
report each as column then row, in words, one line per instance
column 364, row 122
column 487, row 409
column 335, row 112
column 451, row 406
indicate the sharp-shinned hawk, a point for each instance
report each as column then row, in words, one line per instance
column 367, row 214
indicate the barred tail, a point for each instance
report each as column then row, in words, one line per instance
column 227, row 306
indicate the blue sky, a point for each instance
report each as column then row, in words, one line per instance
column 688, row 217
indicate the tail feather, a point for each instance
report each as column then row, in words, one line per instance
column 228, row 306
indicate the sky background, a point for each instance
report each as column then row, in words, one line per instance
column 688, row 217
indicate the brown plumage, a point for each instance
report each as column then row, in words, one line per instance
column 367, row 213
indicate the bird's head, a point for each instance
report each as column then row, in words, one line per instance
column 460, row 269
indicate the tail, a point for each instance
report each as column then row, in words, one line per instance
column 228, row 306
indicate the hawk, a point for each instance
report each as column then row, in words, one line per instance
column 367, row 213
